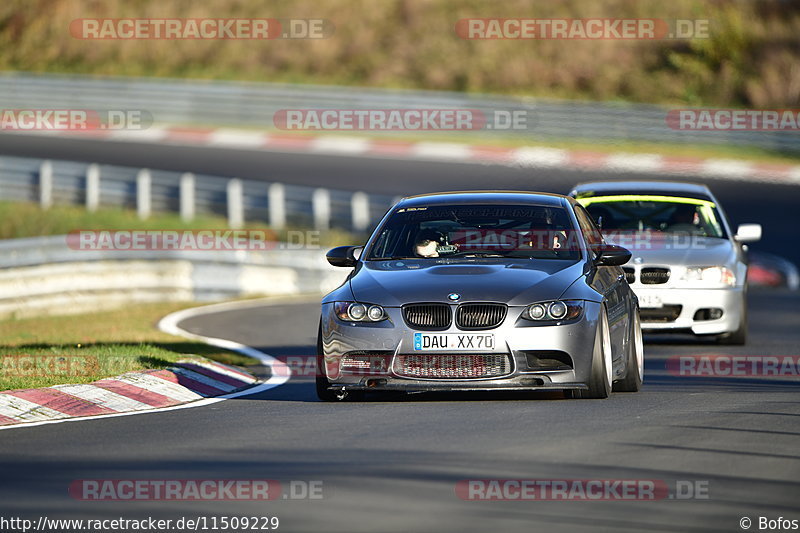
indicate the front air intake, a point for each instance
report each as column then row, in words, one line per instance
column 452, row 366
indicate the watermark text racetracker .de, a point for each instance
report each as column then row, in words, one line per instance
column 777, row 120
column 543, row 239
column 200, row 28
column 195, row 490
column 581, row 490
column 734, row 366
column 582, row 28
column 74, row 119
column 191, row 240
column 65, row 365
column 404, row 119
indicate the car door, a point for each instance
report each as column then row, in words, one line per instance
column 610, row 282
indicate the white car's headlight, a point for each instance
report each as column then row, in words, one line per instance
column 714, row 275
column 358, row 312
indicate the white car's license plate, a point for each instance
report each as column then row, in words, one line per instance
column 650, row 300
column 453, row 342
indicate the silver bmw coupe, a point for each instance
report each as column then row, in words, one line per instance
column 494, row 290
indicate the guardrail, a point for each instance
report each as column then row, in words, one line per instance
column 254, row 105
column 43, row 275
column 147, row 191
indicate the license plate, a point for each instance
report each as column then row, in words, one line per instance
column 650, row 300
column 453, row 342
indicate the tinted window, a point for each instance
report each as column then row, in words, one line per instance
column 588, row 228
column 664, row 214
column 527, row 231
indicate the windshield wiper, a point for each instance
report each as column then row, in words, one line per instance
column 475, row 254
column 523, row 255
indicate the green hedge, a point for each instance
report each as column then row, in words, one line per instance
column 751, row 58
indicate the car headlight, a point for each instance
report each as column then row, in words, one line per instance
column 554, row 310
column 714, row 275
column 359, row 312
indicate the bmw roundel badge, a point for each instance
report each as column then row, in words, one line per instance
column 454, row 297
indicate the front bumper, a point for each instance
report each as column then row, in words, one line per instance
column 523, row 342
column 681, row 307
column 409, row 385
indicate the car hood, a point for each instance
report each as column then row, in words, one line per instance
column 694, row 251
column 515, row 282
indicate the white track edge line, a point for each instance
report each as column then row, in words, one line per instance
column 169, row 324
column 665, row 169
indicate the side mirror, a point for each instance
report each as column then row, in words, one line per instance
column 343, row 256
column 748, row 233
column 611, row 255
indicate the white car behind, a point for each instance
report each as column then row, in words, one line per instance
column 688, row 269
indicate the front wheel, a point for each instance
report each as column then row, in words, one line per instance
column 600, row 380
column 634, row 370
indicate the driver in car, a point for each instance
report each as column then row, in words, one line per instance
column 427, row 244
column 549, row 235
column 684, row 218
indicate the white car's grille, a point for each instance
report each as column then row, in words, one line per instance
column 654, row 276
column 630, row 275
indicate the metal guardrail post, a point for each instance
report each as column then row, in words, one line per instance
column 235, row 204
column 82, row 182
column 321, row 205
column 277, row 206
column 359, row 204
column 187, row 197
column 143, row 198
column 46, row 184
column 92, row 188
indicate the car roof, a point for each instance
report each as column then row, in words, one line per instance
column 486, row 197
column 595, row 188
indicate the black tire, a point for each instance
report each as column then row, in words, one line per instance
column 600, row 380
column 738, row 337
column 634, row 366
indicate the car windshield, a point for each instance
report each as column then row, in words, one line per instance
column 663, row 214
column 523, row 231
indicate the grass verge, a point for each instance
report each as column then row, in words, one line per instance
column 40, row 352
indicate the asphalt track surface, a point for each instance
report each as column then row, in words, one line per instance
column 392, row 463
